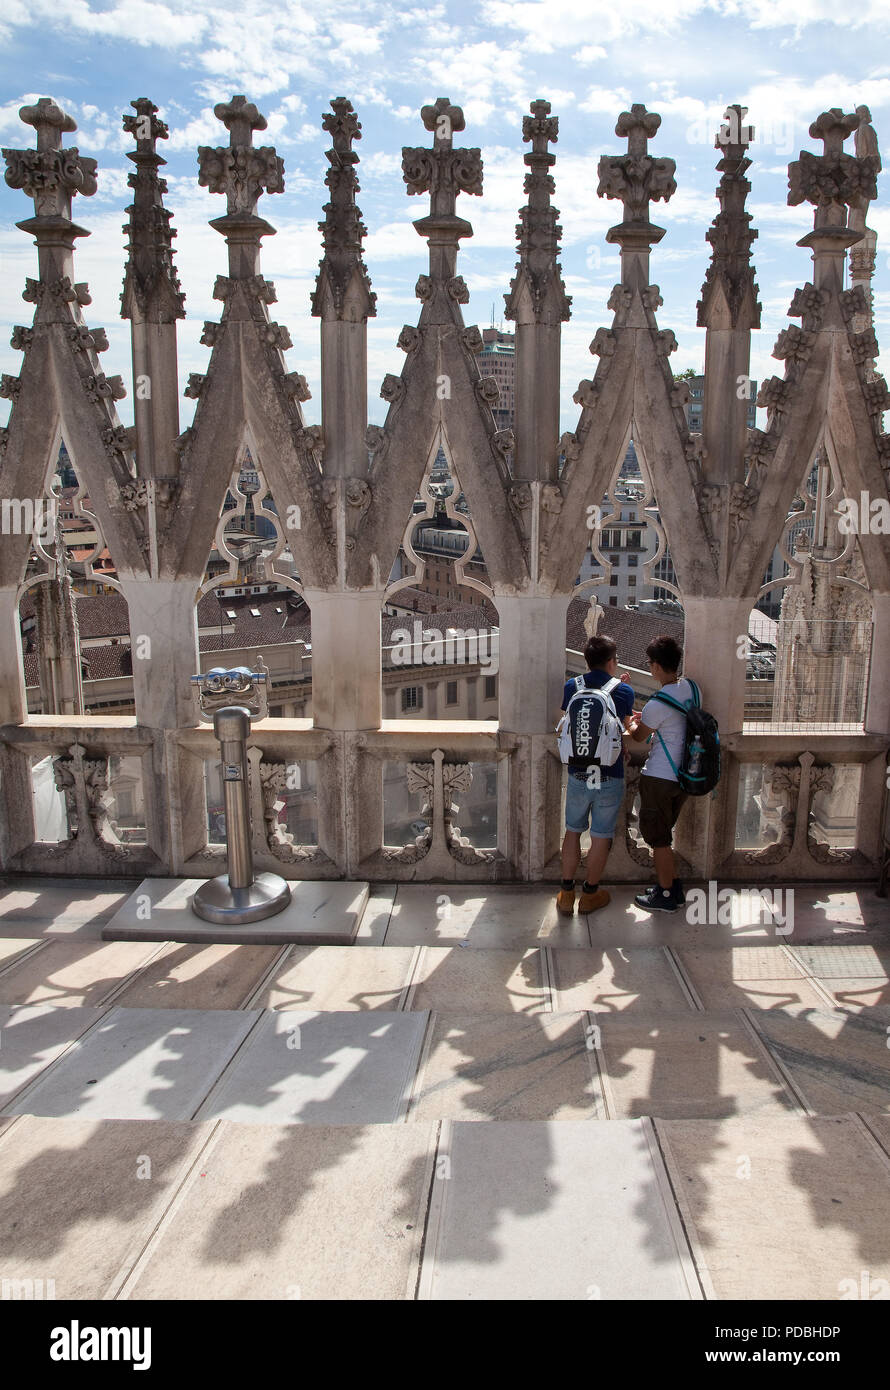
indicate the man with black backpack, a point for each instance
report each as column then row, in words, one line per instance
column 597, row 709
column 684, row 760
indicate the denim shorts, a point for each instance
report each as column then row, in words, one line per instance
column 601, row 804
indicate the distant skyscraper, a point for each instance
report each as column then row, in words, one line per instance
column 498, row 359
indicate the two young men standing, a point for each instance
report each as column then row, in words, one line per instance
column 598, row 799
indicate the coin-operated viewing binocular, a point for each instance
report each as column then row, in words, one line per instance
column 236, row 896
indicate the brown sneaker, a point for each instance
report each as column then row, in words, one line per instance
column 565, row 903
column 589, row 902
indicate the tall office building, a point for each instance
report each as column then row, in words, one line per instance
column 498, row 359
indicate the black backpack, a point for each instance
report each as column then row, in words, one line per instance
column 699, row 770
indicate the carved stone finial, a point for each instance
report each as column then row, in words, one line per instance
column 443, row 172
column 343, row 229
column 730, row 234
column 538, row 231
column 238, row 170
column 50, row 174
column 636, row 178
column 150, row 281
column 832, row 181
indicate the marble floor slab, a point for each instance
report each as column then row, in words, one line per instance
column 781, row 1208
column 80, row 1199
column 703, row 1066
column 59, row 906
column 375, row 918
column 319, row 911
column 859, row 995
column 566, row 1210
column 616, row 979
column 338, row 977
column 198, row 977
column 753, row 977
column 296, row 1212
column 856, row 962
column 464, row 979
column 839, row 1061
column 33, row 1037
column 433, row 915
column 140, row 1064
column 322, row 1068
column 12, row 948
column 73, row 973
column 507, row 1067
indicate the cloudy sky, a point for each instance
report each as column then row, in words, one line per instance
column 685, row 59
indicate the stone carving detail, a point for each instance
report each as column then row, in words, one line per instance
column 853, row 303
column 439, row 782
column 196, row 384
column 621, row 299
column 781, row 791
column 832, row 178
column 809, row 304
column 877, row 397
column 457, row 289
column 586, row 394
column 442, row 171
column 242, row 173
column 538, row 230
column 50, row 175
column 377, row 441
column 10, row 386
column 409, row 338
column 651, row 297
column 424, row 288
column 730, row 234
column 278, row 839
column 864, row 347
column 296, row 386
column 472, row 339
column 794, row 345
column 488, row 390
column 135, row 495
column 636, row 178
column 503, row 443
column 665, row 342
column 151, row 281
column 604, row 343
column 22, row 338
column 100, row 387
column 84, row 784
column 342, row 266
column 393, row 388
column 552, row 498
column 774, row 394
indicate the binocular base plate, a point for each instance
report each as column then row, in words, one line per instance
column 216, row 901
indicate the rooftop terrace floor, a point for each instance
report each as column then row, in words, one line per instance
column 477, row 1100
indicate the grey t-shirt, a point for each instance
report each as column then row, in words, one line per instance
column 671, row 724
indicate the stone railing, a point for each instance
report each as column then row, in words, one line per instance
column 439, row 759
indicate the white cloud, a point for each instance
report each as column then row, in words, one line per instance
column 602, row 99
column 591, row 53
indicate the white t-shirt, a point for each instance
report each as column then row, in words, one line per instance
column 671, row 724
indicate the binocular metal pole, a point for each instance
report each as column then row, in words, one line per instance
column 237, row 896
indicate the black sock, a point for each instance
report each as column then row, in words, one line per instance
column 568, row 885
column 590, row 887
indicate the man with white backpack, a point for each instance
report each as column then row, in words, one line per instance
column 597, row 709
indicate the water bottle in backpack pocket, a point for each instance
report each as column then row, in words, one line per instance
column 699, row 770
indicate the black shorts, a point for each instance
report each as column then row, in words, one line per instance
column 660, row 803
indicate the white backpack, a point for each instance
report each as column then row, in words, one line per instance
column 573, row 734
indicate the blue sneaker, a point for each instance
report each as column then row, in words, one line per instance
column 658, row 899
